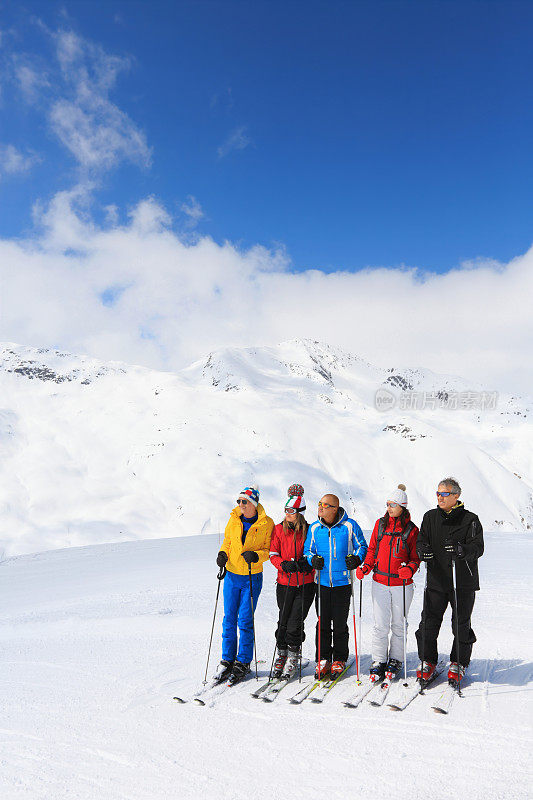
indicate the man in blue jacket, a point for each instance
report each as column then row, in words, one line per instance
column 334, row 546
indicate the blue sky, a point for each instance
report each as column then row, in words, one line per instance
column 180, row 177
column 354, row 134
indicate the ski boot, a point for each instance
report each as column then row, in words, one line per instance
column 223, row 671
column 322, row 669
column 456, row 673
column 425, row 671
column 392, row 668
column 377, row 671
column 279, row 663
column 337, row 668
column 291, row 665
column 238, row 673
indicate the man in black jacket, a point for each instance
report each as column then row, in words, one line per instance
column 448, row 534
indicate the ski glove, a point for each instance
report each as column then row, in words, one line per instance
column 360, row 572
column 222, row 559
column 455, row 549
column 317, row 562
column 289, row 566
column 250, row 556
column 302, row 565
column 426, row 554
column 405, row 572
column 352, row 561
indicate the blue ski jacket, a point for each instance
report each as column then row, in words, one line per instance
column 334, row 544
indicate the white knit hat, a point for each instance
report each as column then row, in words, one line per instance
column 399, row 496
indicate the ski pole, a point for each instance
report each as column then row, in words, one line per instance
column 360, row 611
column 302, row 609
column 354, row 629
column 279, row 625
column 221, row 575
column 454, row 582
column 318, row 623
column 423, row 648
column 404, row 638
column 253, row 618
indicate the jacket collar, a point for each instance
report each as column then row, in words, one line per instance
column 341, row 517
column 454, row 513
column 260, row 512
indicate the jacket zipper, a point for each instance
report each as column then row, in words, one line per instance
column 330, row 560
column 390, row 549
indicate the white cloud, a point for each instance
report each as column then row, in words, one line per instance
column 237, row 140
column 193, row 210
column 13, row 161
column 182, row 300
column 96, row 131
column 30, row 80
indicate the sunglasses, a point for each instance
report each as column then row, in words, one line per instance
column 325, row 505
column 243, row 502
column 392, row 505
column 444, row 494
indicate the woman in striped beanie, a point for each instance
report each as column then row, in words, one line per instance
column 295, row 587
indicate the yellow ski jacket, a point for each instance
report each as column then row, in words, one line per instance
column 257, row 538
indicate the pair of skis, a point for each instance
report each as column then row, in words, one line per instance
column 271, row 689
column 320, row 688
column 376, row 693
column 211, row 690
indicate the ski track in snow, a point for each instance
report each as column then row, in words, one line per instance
column 88, row 669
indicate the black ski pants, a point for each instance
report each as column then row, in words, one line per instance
column 428, row 630
column 335, row 605
column 290, row 629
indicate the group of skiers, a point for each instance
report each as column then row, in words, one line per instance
column 317, row 562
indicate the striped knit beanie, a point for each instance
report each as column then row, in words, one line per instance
column 296, row 497
column 251, row 493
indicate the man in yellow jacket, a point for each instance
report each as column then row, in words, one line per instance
column 245, row 548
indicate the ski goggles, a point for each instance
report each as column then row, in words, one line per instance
column 392, row 505
column 291, row 510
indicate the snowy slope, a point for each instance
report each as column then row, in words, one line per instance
column 95, row 641
column 95, row 452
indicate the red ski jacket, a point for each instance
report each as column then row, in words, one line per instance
column 391, row 553
column 288, row 547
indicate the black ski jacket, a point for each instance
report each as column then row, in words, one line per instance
column 459, row 525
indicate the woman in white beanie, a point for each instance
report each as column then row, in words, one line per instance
column 393, row 558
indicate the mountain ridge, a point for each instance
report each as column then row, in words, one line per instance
column 104, row 451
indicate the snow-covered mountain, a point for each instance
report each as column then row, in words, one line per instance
column 95, row 452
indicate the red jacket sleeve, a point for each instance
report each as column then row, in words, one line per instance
column 371, row 552
column 414, row 561
column 275, row 548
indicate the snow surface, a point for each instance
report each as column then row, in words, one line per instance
column 95, row 452
column 95, row 641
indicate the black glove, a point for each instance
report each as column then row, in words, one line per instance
column 352, row 561
column 317, row 562
column 250, row 556
column 426, row 554
column 303, row 566
column 455, row 549
column 222, row 559
column 289, row 566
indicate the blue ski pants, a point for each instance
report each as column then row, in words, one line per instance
column 238, row 612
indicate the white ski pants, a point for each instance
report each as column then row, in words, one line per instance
column 388, row 617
